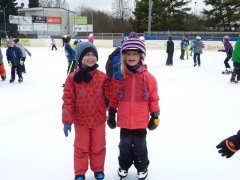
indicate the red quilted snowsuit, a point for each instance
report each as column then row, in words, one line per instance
column 84, row 106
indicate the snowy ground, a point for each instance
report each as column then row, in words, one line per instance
column 199, row 108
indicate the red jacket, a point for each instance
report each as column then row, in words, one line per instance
column 84, row 103
column 133, row 108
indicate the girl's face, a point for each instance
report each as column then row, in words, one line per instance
column 89, row 60
column 132, row 58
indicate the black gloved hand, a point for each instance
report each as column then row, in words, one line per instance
column 154, row 121
column 111, row 121
column 229, row 146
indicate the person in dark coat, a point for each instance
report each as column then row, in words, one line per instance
column 170, row 51
column 228, row 49
column 14, row 58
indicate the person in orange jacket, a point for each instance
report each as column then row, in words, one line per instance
column 2, row 68
column 134, row 98
column 85, row 92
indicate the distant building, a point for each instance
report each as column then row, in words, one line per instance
column 45, row 21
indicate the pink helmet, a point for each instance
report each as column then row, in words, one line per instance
column 226, row 38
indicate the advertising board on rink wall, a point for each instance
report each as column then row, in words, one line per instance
column 20, row 20
column 83, row 28
column 37, row 23
column 39, row 19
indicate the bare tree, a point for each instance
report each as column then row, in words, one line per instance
column 121, row 9
column 53, row 3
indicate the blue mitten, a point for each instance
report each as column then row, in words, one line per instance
column 67, row 128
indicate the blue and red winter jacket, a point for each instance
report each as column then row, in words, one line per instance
column 14, row 55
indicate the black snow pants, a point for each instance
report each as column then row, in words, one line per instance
column 133, row 149
column 226, row 62
column 236, row 71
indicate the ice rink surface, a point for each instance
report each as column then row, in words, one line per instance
column 199, row 108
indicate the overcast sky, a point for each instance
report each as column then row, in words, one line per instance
column 106, row 4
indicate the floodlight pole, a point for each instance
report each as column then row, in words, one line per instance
column 149, row 16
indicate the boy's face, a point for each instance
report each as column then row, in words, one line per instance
column 132, row 58
column 10, row 44
column 89, row 60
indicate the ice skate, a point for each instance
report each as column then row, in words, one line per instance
column 226, row 72
column 142, row 175
column 122, row 173
column 11, row 80
column 233, row 81
column 80, row 177
column 20, row 80
column 3, row 77
column 99, row 175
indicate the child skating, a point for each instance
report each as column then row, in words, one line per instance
column 235, row 78
column 14, row 58
column 197, row 51
column 228, row 49
column 24, row 51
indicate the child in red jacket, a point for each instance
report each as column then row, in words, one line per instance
column 84, row 106
column 135, row 100
column 2, row 68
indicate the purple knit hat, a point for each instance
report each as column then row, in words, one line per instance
column 133, row 43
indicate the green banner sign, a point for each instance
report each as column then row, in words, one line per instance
column 79, row 20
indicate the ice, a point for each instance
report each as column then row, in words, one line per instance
column 199, row 108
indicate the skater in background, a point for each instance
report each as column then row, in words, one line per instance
column 90, row 38
column 75, row 43
column 134, row 98
column 182, row 47
column 187, row 48
column 228, row 147
column 197, row 51
column 24, row 51
column 2, row 68
column 84, row 106
column 113, row 66
column 53, row 43
column 236, row 63
column 113, row 62
column 191, row 47
column 228, row 49
column 14, row 58
column 70, row 54
column 170, row 51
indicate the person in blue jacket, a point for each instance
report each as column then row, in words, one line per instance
column 14, row 58
column 70, row 54
column 183, row 45
column 112, row 66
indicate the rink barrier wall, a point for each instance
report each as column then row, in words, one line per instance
column 150, row 44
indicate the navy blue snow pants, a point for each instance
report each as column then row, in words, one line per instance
column 133, row 149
